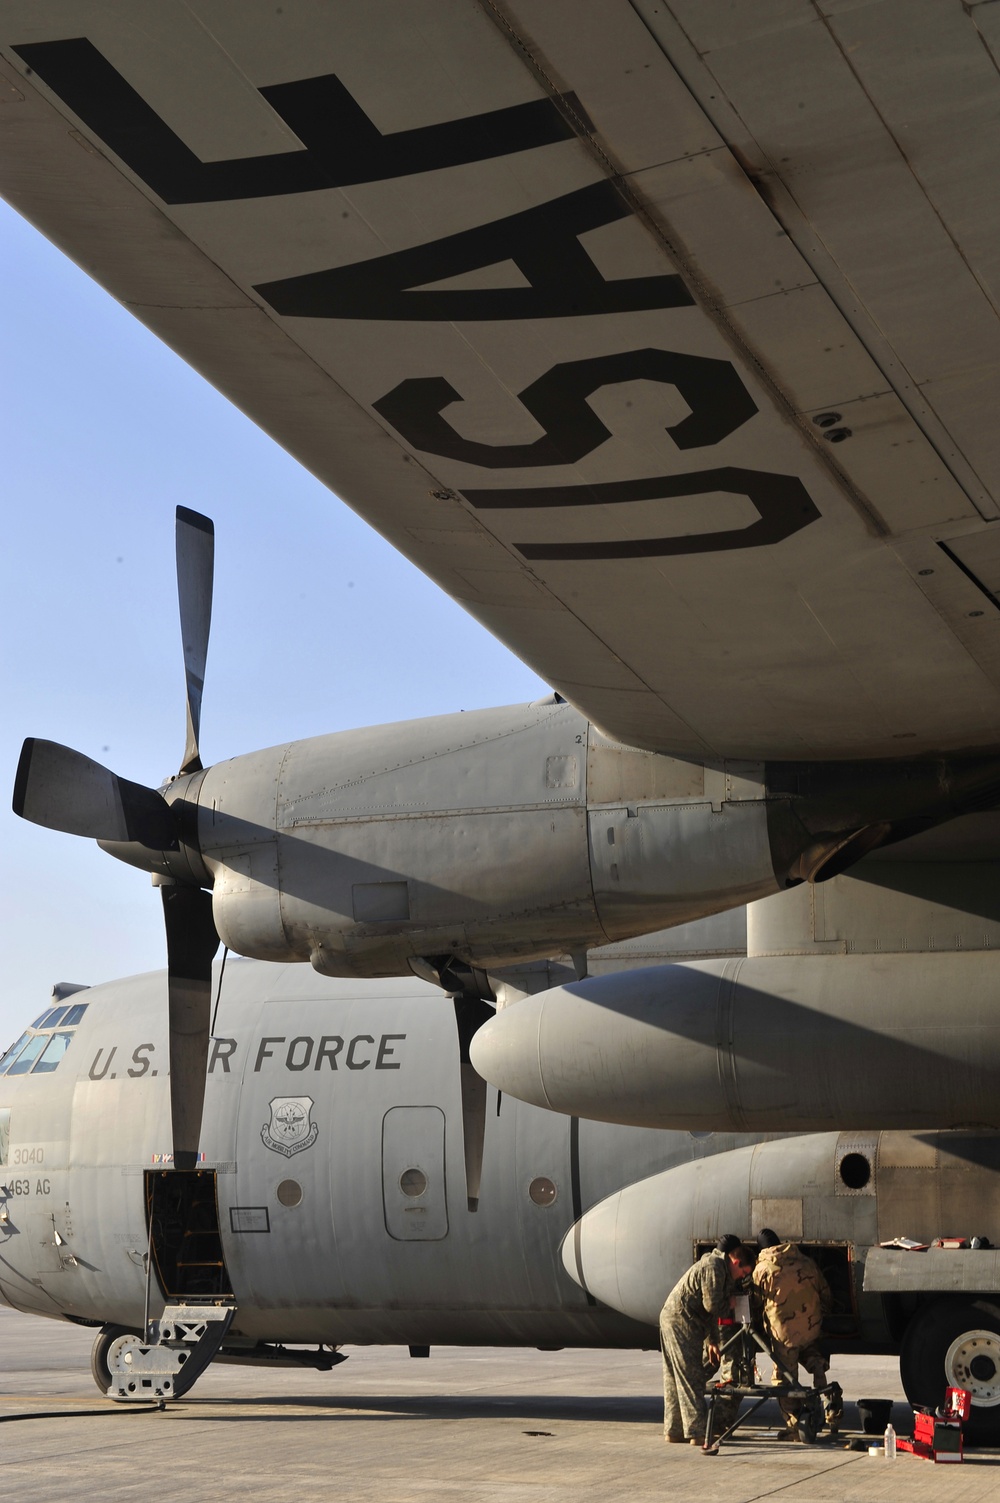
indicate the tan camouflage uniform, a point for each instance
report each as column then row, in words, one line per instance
column 795, row 1297
column 688, row 1321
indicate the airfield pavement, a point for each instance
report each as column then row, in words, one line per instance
column 494, row 1425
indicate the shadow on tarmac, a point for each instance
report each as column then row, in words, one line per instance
column 639, row 1411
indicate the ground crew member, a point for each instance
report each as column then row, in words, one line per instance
column 688, row 1336
column 795, row 1297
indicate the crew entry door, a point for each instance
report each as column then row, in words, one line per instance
column 183, row 1218
column 413, row 1188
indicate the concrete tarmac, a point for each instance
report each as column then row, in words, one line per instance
column 474, row 1425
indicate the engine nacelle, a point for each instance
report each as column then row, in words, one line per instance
column 511, row 834
column 493, row 836
column 782, row 1043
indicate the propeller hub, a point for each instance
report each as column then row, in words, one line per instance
column 183, row 862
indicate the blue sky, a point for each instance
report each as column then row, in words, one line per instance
column 318, row 624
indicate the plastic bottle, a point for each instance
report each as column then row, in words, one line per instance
column 889, row 1443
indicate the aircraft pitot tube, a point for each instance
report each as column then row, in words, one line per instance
column 782, row 1043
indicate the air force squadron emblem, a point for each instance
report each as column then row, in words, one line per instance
column 290, row 1130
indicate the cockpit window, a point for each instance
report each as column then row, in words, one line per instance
column 53, row 1052
column 29, row 1054
column 14, row 1051
column 39, row 1047
column 49, row 1018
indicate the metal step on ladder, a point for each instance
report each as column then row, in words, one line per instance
column 175, row 1353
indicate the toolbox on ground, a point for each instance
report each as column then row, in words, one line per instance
column 938, row 1437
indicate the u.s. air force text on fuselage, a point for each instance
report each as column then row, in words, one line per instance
column 303, row 1052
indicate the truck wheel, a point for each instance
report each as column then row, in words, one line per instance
column 956, row 1344
column 105, row 1340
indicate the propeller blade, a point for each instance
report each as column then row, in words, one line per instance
column 195, row 565
column 474, row 1131
column 192, row 941
column 64, row 790
column 470, row 1014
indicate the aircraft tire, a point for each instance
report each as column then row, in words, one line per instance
column 103, row 1342
column 955, row 1343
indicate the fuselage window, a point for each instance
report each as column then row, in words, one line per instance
column 542, row 1191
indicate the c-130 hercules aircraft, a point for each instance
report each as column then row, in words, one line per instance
column 329, row 1203
column 729, row 273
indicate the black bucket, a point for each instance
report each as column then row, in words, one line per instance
column 875, row 1415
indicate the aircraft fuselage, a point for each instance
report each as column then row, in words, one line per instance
column 324, row 1113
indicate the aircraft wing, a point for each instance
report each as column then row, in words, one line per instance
column 661, row 333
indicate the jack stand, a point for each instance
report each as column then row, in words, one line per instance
column 743, row 1347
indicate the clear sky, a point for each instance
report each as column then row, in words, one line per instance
column 318, row 624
